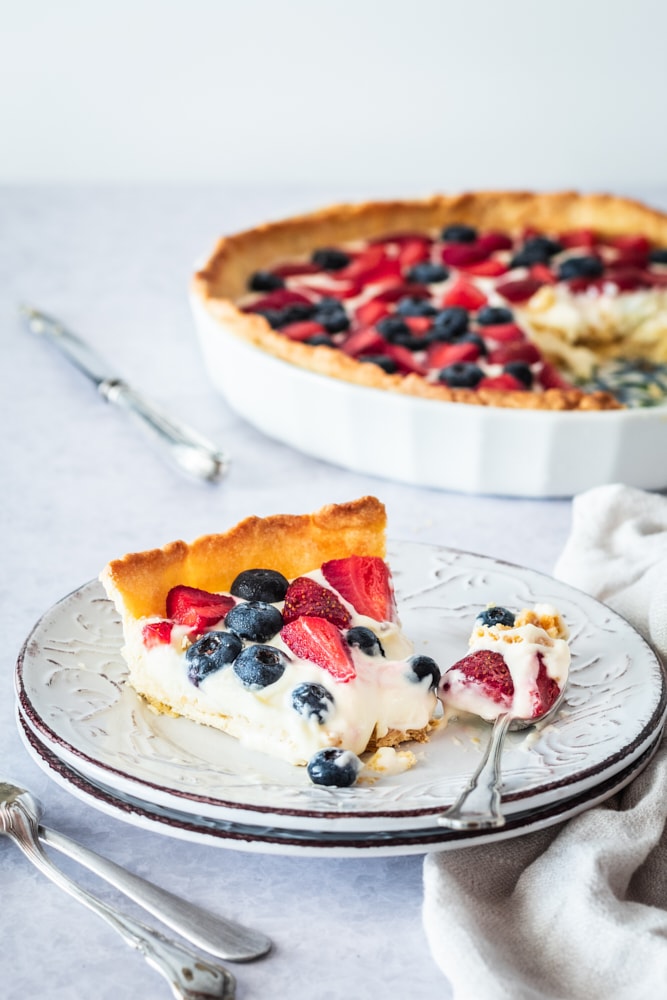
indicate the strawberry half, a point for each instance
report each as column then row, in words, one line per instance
column 319, row 641
column 487, row 671
column 365, row 583
column 547, row 690
column 156, row 634
column 306, row 597
column 197, row 608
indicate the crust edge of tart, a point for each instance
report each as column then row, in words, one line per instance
column 223, row 276
column 138, row 582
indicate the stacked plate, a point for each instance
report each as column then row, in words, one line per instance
column 89, row 731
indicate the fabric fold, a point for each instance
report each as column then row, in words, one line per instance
column 577, row 911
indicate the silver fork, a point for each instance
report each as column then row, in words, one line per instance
column 189, row 976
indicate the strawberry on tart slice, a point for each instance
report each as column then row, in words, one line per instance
column 282, row 632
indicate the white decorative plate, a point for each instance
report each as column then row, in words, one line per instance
column 274, row 840
column 73, row 696
column 425, row 442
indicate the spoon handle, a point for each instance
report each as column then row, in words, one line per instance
column 216, row 935
column 189, row 976
column 478, row 806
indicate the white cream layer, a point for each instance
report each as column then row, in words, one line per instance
column 385, row 695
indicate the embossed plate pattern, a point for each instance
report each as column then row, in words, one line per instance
column 72, row 694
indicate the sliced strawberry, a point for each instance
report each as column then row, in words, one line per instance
column 494, row 241
column 365, row 583
column 579, row 285
column 542, row 272
column 197, row 608
column 628, row 278
column 504, row 333
column 294, row 269
column 487, row 671
column 502, row 383
column 464, row 293
column 462, row 254
column 306, row 597
column 370, row 312
column 367, row 260
column 520, row 290
column 442, row 355
column 404, row 358
column 413, row 251
column 547, row 690
column 364, row 341
column 418, row 324
column 303, row 330
column 551, row 378
column 636, row 242
column 156, row 634
column 578, row 238
column 486, row 269
column 520, row 351
column 395, row 290
column 319, row 641
column 277, row 300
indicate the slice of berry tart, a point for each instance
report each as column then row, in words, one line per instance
column 515, row 299
column 517, row 663
column 282, row 632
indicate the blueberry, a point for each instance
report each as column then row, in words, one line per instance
column 473, row 338
column 211, row 652
column 265, row 281
column 320, row 340
column 463, row 374
column 409, row 306
column 424, row 666
column 459, row 234
column 365, row 639
column 274, row 317
column 495, row 616
column 330, row 259
column 393, row 326
column 383, row 361
column 254, row 620
column 258, row 666
column 260, row 585
column 313, row 701
column 494, row 316
column 536, row 250
column 333, row 766
column 580, row 267
column 658, row 256
column 426, row 273
column 450, row 323
column 329, row 304
column 521, row 371
column 295, row 312
column 333, row 322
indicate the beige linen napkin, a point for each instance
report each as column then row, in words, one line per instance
column 578, row 911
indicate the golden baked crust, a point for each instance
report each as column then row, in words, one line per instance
column 223, row 279
column 293, row 544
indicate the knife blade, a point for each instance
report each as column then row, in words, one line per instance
column 186, row 448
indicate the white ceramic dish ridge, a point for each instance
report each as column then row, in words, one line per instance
column 451, row 446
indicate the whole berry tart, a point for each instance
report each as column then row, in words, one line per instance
column 282, row 632
column 513, row 299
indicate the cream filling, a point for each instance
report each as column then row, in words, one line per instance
column 546, row 635
column 385, row 695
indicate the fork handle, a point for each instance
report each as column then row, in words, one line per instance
column 189, row 976
column 478, row 805
column 216, row 935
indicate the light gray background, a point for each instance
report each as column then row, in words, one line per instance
column 401, row 97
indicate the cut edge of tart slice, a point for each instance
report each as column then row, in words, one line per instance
column 336, row 673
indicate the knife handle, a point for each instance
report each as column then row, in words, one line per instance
column 189, row 451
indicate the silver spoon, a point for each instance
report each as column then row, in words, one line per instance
column 478, row 805
column 189, row 976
